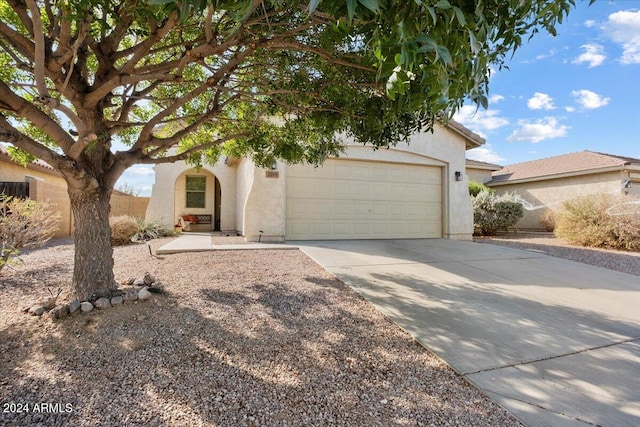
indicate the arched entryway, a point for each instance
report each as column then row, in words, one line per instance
column 198, row 199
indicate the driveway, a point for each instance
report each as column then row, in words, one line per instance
column 554, row 341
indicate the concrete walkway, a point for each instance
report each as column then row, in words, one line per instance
column 555, row 342
column 200, row 242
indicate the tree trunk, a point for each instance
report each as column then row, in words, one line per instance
column 93, row 266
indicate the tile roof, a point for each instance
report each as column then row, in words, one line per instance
column 4, row 154
column 482, row 165
column 580, row 162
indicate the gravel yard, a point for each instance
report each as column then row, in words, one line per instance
column 240, row 338
column 547, row 243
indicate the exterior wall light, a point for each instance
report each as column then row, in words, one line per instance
column 458, row 176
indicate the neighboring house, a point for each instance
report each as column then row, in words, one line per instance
column 480, row 171
column 417, row 190
column 43, row 183
column 546, row 183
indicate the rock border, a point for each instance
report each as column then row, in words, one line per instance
column 128, row 295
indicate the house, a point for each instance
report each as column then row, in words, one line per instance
column 480, row 171
column 39, row 181
column 415, row 190
column 546, row 183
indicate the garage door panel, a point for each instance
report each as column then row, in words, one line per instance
column 347, row 199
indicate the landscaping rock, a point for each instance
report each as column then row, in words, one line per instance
column 86, row 306
column 144, row 294
column 148, row 279
column 103, row 303
column 138, row 282
column 74, row 306
column 130, row 296
column 59, row 311
column 37, row 310
column 117, row 300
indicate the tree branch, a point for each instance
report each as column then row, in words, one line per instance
column 39, row 57
column 39, row 119
column 10, row 134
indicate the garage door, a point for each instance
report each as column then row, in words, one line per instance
column 349, row 199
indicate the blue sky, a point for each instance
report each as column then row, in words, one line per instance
column 577, row 91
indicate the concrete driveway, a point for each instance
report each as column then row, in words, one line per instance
column 555, row 342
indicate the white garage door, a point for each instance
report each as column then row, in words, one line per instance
column 349, row 199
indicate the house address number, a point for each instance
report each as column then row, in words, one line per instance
column 272, row 174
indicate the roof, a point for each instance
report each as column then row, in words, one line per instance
column 476, row 164
column 473, row 139
column 580, row 163
column 36, row 164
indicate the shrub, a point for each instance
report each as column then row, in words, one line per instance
column 493, row 213
column 476, row 187
column 123, row 228
column 147, row 230
column 548, row 220
column 24, row 224
column 602, row 220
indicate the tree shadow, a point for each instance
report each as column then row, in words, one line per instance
column 256, row 352
column 478, row 327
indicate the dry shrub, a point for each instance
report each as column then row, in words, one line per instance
column 123, row 228
column 602, row 220
column 548, row 220
column 24, row 223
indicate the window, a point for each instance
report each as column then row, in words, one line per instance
column 196, row 186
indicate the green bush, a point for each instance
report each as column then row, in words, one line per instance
column 148, row 230
column 493, row 213
column 476, row 187
column 602, row 220
column 24, row 224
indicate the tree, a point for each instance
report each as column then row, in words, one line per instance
column 264, row 78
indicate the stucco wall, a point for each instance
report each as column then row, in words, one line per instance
column 259, row 199
column 265, row 206
column 549, row 194
column 478, row 175
column 168, row 193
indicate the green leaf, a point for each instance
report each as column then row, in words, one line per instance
column 372, row 5
column 460, row 16
column 443, row 53
column 313, row 5
column 428, row 44
column 351, row 9
column 443, row 4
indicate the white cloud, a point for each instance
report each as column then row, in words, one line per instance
column 139, row 171
column 589, row 100
column 480, row 121
column 546, row 128
column 494, row 99
column 485, row 154
column 623, row 27
column 540, row 101
column 589, row 23
column 593, row 55
column 549, row 54
column 570, row 109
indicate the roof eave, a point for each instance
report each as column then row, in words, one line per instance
column 473, row 140
column 557, row 176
